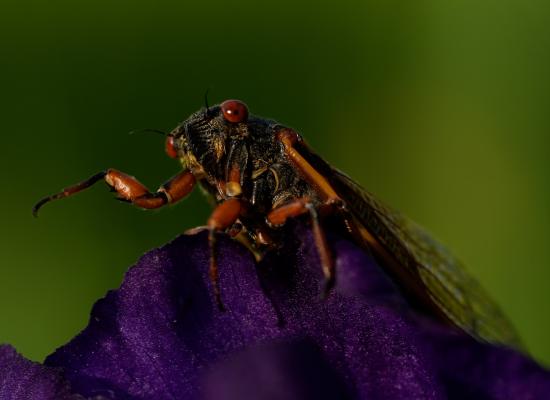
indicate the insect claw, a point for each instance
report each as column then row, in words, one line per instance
column 37, row 206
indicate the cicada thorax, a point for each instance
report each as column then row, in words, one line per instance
column 244, row 161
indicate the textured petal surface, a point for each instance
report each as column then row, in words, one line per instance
column 21, row 379
column 161, row 336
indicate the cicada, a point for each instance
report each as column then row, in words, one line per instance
column 261, row 173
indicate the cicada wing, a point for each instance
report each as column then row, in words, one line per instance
column 429, row 267
column 449, row 286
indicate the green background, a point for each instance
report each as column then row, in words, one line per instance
column 438, row 107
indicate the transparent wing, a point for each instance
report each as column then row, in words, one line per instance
column 462, row 300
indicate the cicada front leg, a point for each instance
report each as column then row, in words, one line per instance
column 129, row 189
column 224, row 216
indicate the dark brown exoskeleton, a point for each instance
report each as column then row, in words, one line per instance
column 261, row 173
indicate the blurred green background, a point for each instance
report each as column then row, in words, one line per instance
column 439, row 107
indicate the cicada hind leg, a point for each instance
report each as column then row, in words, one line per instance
column 295, row 208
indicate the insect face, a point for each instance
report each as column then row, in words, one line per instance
column 202, row 138
column 203, row 141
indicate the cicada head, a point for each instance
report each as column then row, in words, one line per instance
column 202, row 141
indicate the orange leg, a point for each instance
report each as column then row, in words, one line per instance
column 129, row 189
column 223, row 217
column 298, row 207
column 331, row 202
column 233, row 185
column 289, row 138
column 278, row 216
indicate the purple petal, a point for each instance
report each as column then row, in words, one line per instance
column 160, row 335
column 155, row 335
column 472, row 370
column 280, row 370
column 21, row 379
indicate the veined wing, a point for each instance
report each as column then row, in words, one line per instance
column 422, row 265
column 461, row 299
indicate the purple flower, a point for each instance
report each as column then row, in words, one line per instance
column 161, row 336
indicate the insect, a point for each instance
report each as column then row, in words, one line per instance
column 261, row 173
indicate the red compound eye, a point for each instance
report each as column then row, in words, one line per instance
column 234, row 111
column 169, row 147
